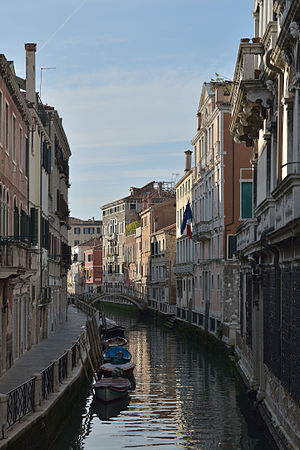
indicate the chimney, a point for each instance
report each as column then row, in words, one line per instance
column 30, row 72
column 160, row 190
column 188, row 160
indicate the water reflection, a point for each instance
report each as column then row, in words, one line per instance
column 183, row 398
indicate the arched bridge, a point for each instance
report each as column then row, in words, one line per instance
column 129, row 294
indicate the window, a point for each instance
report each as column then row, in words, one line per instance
column 21, row 148
column 26, row 156
column 86, row 231
column 231, row 246
column 6, row 127
column 14, row 138
column 246, row 200
column 132, row 206
column 98, row 230
column 76, row 230
column 90, row 257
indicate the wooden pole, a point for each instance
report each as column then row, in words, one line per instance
column 89, row 358
column 83, row 364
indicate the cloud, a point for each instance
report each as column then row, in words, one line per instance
column 117, row 108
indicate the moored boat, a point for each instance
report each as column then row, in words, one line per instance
column 116, row 331
column 118, row 340
column 110, row 389
column 117, row 355
column 108, row 369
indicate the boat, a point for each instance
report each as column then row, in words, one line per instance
column 108, row 410
column 110, row 389
column 115, row 331
column 118, row 340
column 125, row 370
column 117, row 355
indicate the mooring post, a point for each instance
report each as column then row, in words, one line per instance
column 37, row 390
column 55, row 363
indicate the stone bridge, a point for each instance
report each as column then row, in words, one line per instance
column 131, row 295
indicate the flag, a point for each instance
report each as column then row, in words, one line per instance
column 187, row 221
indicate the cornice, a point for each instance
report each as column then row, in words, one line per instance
column 14, row 90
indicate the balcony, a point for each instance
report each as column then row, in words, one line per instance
column 16, row 259
column 112, row 257
column 184, row 268
column 246, row 234
column 287, row 201
column 249, row 98
column 202, row 230
column 111, row 236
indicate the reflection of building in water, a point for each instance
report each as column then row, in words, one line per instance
column 212, row 394
column 156, row 388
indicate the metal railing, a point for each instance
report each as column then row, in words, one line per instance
column 85, row 307
column 20, row 401
column 74, row 350
column 47, row 381
column 63, row 367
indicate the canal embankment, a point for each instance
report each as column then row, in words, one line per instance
column 39, row 389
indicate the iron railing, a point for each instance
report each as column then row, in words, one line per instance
column 47, row 381
column 63, row 367
column 74, row 350
column 20, row 401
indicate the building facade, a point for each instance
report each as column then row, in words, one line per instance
column 184, row 267
column 154, row 218
column 116, row 216
column 222, row 199
column 83, row 230
column 93, row 265
column 163, row 281
column 265, row 101
column 33, row 290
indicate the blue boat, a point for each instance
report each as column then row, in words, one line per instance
column 117, row 355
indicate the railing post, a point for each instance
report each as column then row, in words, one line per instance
column 37, row 390
column 3, row 416
column 76, row 353
column 55, row 363
column 69, row 362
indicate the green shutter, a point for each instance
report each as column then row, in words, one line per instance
column 246, row 199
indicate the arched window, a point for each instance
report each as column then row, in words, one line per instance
column 16, row 220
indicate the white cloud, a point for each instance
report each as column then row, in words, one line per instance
column 116, row 108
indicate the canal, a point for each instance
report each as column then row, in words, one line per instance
column 184, row 398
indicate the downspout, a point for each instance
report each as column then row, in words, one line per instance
column 279, row 107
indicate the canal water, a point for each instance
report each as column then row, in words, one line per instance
column 183, row 398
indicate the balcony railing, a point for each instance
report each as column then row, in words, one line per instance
column 202, row 230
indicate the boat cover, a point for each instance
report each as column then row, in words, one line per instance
column 109, row 366
column 114, row 382
column 113, row 351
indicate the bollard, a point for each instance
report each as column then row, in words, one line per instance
column 3, row 416
column 69, row 362
column 55, row 375
column 37, row 390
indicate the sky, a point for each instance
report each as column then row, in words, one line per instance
column 127, row 81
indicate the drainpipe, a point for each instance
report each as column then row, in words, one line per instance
column 278, row 71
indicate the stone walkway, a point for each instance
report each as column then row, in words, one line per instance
column 40, row 356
